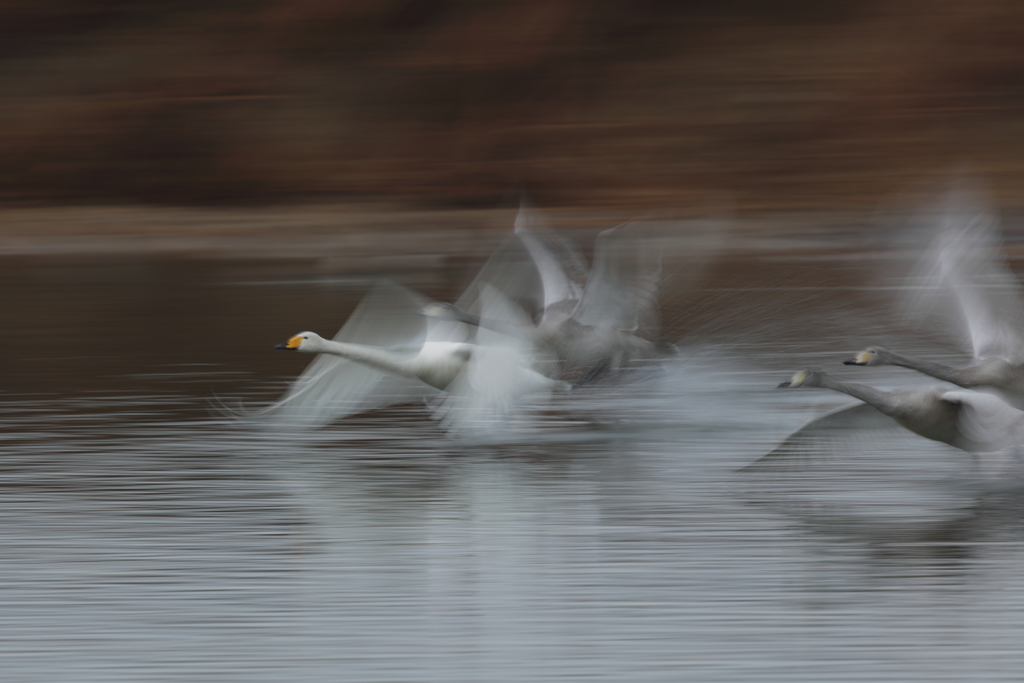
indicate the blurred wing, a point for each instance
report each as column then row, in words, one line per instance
column 623, row 286
column 449, row 331
column 987, row 292
column 331, row 387
column 986, row 419
column 510, row 270
column 823, row 434
column 533, row 268
column 966, row 282
column 558, row 265
column 498, row 374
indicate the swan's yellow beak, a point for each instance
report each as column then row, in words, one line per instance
column 861, row 358
column 292, row 343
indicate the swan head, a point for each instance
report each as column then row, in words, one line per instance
column 872, row 355
column 307, row 342
column 804, row 378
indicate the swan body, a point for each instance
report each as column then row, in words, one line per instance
column 597, row 327
column 968, row 420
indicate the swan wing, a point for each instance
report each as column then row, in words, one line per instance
column 331, row 387
column 987, row 292
column 623, row 287
column 986, row 420
column 452, row 331
column 965, row 281
column 533, row 267
column 822, row 434
column 498, row 374
column 510, row 270
column 558, row 265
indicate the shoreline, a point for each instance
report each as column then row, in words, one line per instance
column 350, row 233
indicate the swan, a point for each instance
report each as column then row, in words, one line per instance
column 969, row 284
column 385, row 355
column 591, row 327
column 971, row 421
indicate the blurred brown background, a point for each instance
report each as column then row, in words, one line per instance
column 788, row 104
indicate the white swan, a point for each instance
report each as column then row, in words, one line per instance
column 591, row 327
column 971, row 421
column 384, row 354
column 967, row 283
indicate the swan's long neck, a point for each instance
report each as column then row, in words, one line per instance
column 380, row 359
column 877, row 398
column 946, row 373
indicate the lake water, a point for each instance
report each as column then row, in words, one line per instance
column 608, row 536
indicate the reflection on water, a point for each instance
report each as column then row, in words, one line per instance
column 146, row 538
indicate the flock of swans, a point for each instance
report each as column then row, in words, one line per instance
column 961, row 278
column 534, row 322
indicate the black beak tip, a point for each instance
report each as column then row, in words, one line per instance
column 783, row 385
column 283, row 347
column 850, row 361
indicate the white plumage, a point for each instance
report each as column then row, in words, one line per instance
column 386, row 354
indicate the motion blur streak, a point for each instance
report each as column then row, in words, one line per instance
column 786, row 104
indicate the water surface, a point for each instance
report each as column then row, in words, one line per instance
column 607, row 537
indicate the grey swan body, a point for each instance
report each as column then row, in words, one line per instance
column 971, row 421
column 595, row 326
